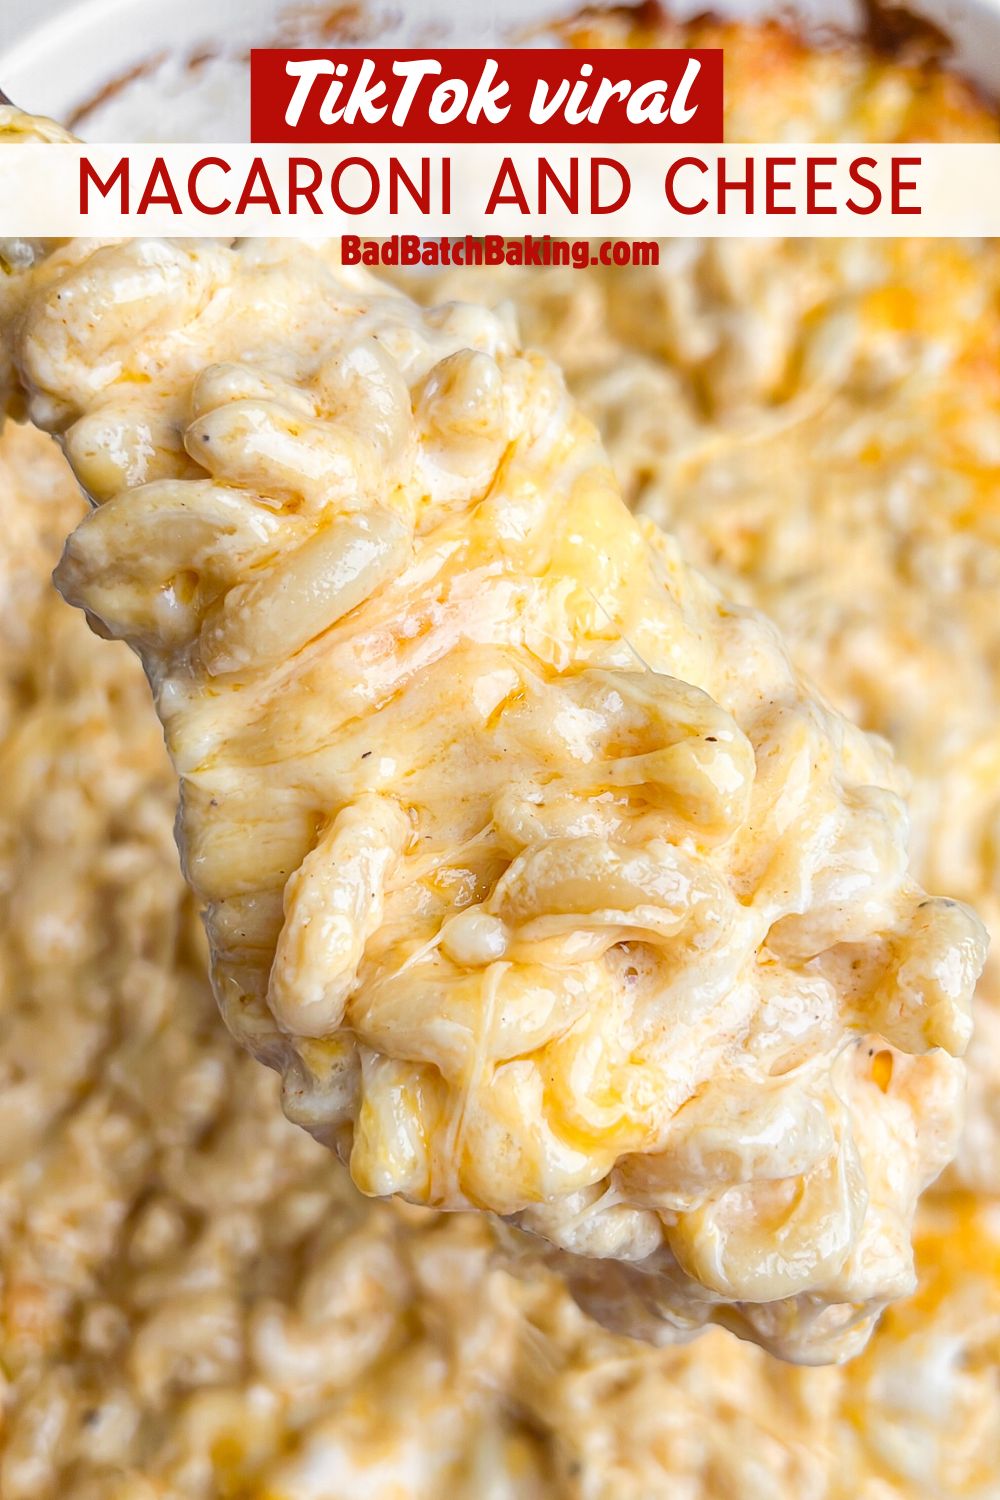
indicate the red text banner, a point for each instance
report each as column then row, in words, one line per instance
column 517, row 96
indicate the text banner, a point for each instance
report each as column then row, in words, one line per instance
column 471, row 189
column 514, row 95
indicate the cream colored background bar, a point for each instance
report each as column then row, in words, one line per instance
column 949, row 190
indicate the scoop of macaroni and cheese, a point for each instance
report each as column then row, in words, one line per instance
column 530, row 863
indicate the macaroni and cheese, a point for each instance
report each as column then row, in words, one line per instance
column 532, row 865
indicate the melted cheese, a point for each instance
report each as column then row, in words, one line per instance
column 527, row 860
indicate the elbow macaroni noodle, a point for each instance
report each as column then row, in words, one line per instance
column 530, row 863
